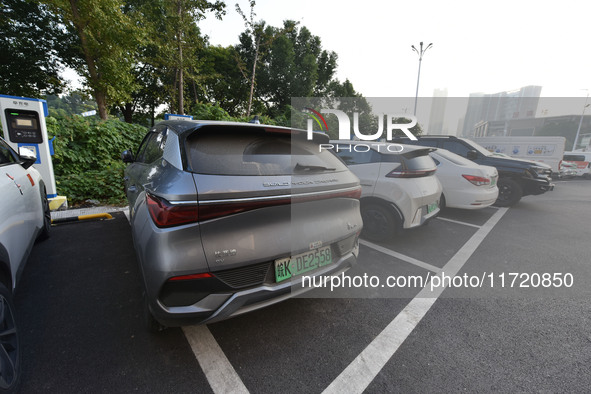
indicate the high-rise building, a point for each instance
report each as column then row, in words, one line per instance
column 436, row 117
column 502, row 106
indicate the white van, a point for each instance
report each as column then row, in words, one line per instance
column 583, row 161
column 548, row 150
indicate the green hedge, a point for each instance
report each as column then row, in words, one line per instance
column 87, row 161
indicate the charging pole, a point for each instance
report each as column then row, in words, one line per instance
column 23, row 124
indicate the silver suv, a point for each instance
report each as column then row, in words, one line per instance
column 226, row 217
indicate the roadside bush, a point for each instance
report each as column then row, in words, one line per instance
column 87, row 162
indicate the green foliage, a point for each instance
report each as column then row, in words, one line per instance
column 87, row 161
column 29, row 48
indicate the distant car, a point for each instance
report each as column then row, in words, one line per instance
column 568, row 169
column 227, row 217
column 24, row 218
column 399, row 188
column 466, row 185
column 517, row 178
column 583, row 162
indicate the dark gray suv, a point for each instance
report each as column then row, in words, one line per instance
column 226, row 217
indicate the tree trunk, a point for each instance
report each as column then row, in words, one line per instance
column 254, row 69
column 127, row 112
column 180, row 47
column 99, row 94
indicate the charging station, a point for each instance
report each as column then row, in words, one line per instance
column 23, row 124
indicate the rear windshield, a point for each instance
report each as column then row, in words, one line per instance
column 456, row 159
column 574, row 157
column 420, row 163
column 244, row 151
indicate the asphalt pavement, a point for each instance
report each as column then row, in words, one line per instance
column 79, row 309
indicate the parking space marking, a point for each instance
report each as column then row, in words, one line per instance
column 363, row 370
column 220, row 374
column 400, row 256
column 458, row 222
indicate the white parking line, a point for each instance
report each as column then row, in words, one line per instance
column 458, row 222
column 220, row 374
column 400, row 256
column 362, row 371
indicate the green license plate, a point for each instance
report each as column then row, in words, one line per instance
column 431, row 207
column 493, row 182
column 296, row 265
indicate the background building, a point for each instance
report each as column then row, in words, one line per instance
column 437, row 114
column 503, row 106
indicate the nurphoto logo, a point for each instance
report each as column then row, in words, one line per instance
column 345, row 125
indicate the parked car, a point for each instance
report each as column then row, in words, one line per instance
column 517, row 177
column 568, row 169
column 583, row 162
column 399, row 188
column 466, row 185
column 24, row 218
column 226, row 217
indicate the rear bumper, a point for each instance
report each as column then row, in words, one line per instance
column 221, row 306
column 472, row 199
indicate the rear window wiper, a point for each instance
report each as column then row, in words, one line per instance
column 309, row 168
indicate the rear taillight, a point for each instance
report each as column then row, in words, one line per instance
column 221, row 208
column 166, row 214
column 409, row 173
column 477, row 180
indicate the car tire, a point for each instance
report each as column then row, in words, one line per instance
column 152, row 325
column 46, row 229
column 510, row 193
column 379, row 222
column 10, row 354
column 442, row 202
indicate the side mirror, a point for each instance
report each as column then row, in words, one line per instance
column 472, row 155
column 127, row 156
column 27, row 156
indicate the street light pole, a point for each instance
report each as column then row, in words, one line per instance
column 420, row 52
column 581, row 122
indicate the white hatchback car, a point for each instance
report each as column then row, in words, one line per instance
column 465, row 184
column 24, row 217
column 399, row 187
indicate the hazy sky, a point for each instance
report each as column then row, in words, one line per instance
column 477, row 46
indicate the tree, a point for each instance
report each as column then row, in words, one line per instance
column 255, row 31
column 294, row 66
column 106, row 41
column 176, row 41
column 223, row 83
column 31, row 38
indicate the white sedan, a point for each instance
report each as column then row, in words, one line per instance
column 465, row 184
column 24, row 218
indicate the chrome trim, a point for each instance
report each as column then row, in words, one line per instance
column 195, row 202
column 267, row 198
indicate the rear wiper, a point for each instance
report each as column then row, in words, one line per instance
column 309, row 168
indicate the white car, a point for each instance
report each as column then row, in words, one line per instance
column 24, row 217
column 399, row 188
column 465, row 184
